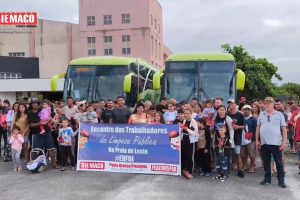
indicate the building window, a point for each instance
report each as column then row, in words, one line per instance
column 151, row 20
column 126, row 45
column 155, row 23
column 9, row 75
column 91, row 20
column 158, row 28
column 108, row 45
column 125, row 18
column 126, row 51
column 107, row 19
column 16, row 54
column 91, row 46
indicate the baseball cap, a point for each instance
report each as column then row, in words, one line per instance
column 231, row 100
column 269, row 99
column 80, row 103
column 247, row 107
column 34, row 100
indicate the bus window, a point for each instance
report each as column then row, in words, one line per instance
column 133, row 68
column 143, row 71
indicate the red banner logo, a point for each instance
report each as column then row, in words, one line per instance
column 18, row 18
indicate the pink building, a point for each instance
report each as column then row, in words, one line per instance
column 122, row 28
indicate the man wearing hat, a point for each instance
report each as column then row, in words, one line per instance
column 38, row 140
column 271, row 134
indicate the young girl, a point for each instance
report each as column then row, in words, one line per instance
column 45, row 116
column 203, row 156
column 158, row 118
column 222, row 148
column 65, row 140
column 16, row 141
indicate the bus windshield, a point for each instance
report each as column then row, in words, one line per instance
column 201, row 80
column 94, row 82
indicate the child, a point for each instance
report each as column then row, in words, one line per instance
column 208, row 113
column 91, row 115
column 203, row 156
column 45, row 116
column 65, row 140
column 158, row 118
column 222, row 148
column 16, row 141
column 180, row 117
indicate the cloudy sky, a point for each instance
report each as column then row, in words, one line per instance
column 269, row 28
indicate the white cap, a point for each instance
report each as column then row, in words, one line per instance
column 246, row 107
column 231, row 100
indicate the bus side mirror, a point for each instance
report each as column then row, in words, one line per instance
column 157, row 80
column 54, row 81
column 240, row 80
column 127, row 83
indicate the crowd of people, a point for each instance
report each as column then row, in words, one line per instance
column 215, row 135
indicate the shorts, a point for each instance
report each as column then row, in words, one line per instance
column 237, row 149
column 248, row 149
column 40, row 141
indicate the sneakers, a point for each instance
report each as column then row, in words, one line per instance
column 207, row 174
column 15, row 170
column 282, row 185
column 62, row 169
column 264, row 182
column 73, row 169
column 221, row 178
column 202, row 174
column 241, row 174
column 217, row 177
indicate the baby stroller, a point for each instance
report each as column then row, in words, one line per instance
column 7, row 149
column 39, row 164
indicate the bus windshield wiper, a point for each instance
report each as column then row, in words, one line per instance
column 202, row 91
column 87, row 92
column 231, row 82
column 97, row 92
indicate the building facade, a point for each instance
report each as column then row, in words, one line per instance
column 54, row 43
column 131, row 28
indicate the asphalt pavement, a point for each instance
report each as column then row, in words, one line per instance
column 54, row 184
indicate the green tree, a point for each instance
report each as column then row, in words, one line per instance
column 288, row 90
column 259, row 72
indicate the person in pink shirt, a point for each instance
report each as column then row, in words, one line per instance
column 45, row 116
column 16, row 141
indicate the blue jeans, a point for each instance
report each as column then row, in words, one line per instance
column 15, row 154
column 267, row 151
column 222, row 165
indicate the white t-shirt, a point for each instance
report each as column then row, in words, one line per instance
column 70, row 112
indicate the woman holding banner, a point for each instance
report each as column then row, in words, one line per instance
column 189, row 138
column 139, row 116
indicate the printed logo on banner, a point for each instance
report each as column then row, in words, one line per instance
column 19, row 19
column 150, row 149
